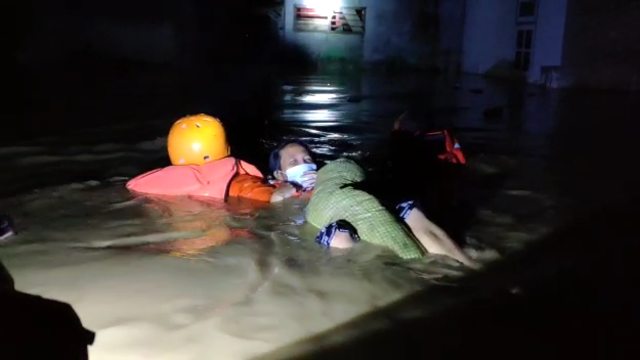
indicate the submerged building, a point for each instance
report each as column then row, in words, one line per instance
column 360, row 30
column 557, row 43
column 551, row 42
column 593, row 43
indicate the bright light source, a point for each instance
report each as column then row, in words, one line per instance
column 324, row 7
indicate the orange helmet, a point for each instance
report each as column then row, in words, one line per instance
column 197, row 139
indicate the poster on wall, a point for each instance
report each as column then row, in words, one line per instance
column 346, row 20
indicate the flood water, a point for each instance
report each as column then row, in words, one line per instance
column 83, row 239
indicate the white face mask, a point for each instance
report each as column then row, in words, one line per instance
column 294, row 174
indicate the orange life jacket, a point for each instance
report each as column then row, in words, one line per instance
column 209, row 180
column 452, row 151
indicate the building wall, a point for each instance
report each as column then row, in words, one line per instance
column 548, row 38
column 400, row 29
column 602, row 44
column 489, row 35
column 450, row 35
column 393, row 30
column 321, row 45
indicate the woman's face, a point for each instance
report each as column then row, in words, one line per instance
column 290, row 156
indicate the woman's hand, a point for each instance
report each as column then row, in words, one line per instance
column 284, row 191
column 309, row 180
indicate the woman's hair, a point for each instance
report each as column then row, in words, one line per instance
column 274, row 157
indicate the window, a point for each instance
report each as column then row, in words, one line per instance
column 308, row 19
column 524, row 44
column 348, row 20
column 526, row 11
column 345, row 20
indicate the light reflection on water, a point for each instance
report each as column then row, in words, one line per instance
column 323, row 117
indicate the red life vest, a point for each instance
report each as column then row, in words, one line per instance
column 452, row 149
column 209, row 180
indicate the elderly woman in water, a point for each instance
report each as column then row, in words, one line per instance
column 345, row 214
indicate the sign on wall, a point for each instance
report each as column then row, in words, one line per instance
column 346, row 20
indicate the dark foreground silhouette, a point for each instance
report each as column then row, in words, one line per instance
column 33, row 327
